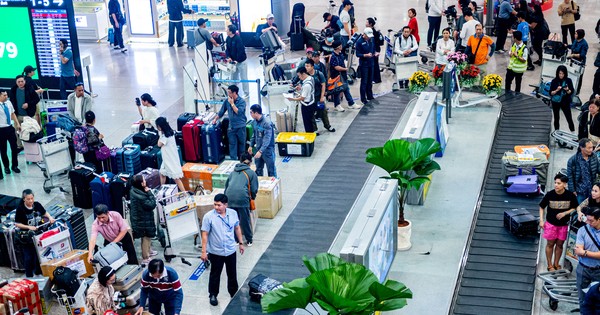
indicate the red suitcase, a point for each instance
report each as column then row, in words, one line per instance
column 191, row 140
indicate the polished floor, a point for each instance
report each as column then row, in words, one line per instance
column 156, row 69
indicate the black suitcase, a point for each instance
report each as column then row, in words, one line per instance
column 296, row 42
column 8, row 203
column 183, row 119
column 4, row 248
column 179, row 142
column 119, row 187
column 80, row 184
column 145, row 138
column 73, row 218
column 520, row 222
column 149, row 157
column 225, row 137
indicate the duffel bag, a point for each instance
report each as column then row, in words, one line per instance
column 260, row 285
column 515, row 164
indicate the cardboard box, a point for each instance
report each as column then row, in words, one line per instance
column 205, row 203
column 44, row 286
column 268, row 199
column 221, row 174
column 75, row 259
column 198, row 174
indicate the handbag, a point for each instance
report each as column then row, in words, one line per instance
column 576, row 14
column 335, row 85
column 252, row 203
column 473, row 55
column 24, row 237
column 103, row 152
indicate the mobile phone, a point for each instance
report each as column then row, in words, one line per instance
column 137, row 101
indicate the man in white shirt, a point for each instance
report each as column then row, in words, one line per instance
column 406, row 45
column 346, row 22
column 434, row 17
column 468, row 29
column 306, row 99
column 79, row 103
column 7, row 132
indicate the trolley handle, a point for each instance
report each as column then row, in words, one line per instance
column 178, row 196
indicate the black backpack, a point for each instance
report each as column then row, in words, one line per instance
column 66, row 279
column 278, row 73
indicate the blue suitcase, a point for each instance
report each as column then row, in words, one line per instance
column 111, row 35
column 101, row 191
column 212, row 143
column 131, row 159
column 127, row 140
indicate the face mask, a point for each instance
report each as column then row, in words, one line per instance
column 330, row 39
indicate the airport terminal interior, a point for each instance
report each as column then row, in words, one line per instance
column 320, row 193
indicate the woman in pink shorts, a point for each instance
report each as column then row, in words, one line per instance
column 559, row 204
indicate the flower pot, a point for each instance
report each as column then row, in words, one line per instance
column 491, row 94
column 404, row 234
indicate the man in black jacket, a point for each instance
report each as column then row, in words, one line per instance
column 25, row 100
column 175, row 8
column 596, row 82
column 236, row 52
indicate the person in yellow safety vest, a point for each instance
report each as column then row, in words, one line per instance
column 517, row 63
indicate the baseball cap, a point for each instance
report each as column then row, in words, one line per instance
column 316, row 54
column 369, row 32
column 29, row 69
column 202, row 21
column 325, row 16
column 270, row 16
column 310, row 49
column 347, row 2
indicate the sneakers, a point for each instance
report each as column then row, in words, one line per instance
column 530, row 68
column 213, row 300
column 249, row 244
column 500, row 51
column 318, row 119
column 356, row 106
column 116, row 48
column 153, row 253
column 123, row 49
column 339, row 108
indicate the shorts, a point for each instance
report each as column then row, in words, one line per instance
column 552, row 232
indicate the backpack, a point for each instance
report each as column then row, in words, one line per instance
column 80, row 141
column 66, row 279
column 278, row 73
column 66, row 122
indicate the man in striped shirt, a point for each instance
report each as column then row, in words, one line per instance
column 160, row 286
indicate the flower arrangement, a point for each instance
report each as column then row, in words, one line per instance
column 418, row 81
column 492, row 83
column 458, row 58
column 437, row 72
column 468, row 75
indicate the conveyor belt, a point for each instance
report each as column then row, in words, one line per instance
column 498, row 276
column 312, row 226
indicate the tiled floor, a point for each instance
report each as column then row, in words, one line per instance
column 156, row 69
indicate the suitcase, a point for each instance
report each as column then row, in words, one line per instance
column 163, row 192
column 191, row 141
column 520, row 222
column 260, row 285
column 131, row 159
column 284, row 121
column 101, row 191
column 515, row 164
column 179, row 142
column 4, row 248
column 135, row 286
column 114, row 164
column 126, row 276
column 119, row 187
column 51, row 128
column 225, row 136
column 296, row 143
column 145, row 138
column 32, row 151
column 127, row 140
column 183, row 119
column 14, row 254
column 212, row 143
column 133, row 300
column 8, row 203
column 523, row 184
column 111, row 255
column 75, row 221
column 149, row 157
column 190, row 37
column 80, row 185
column 152, row 177
column 296, row 42
column 111, row 35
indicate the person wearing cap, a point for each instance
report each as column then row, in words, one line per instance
column 149, row 112
column 365, row 51
column 306, row 99
column 79, row 103
column 333, row 22
column 29, row 72
column 99, row 297
column 339, row 71
column 588, row 251
column 202, row 35
column 270, row 25
column 346, row 20
column 175, row 8
column 236, row 52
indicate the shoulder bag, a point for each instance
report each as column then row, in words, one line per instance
column 473, row 55
column 592, row 237
column 576, row 13
column 252, row 203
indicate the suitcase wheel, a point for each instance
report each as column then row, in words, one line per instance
column 553, row 303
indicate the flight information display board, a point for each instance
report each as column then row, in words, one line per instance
column 37, row 26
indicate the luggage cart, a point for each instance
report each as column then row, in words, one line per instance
column 57, row 159
column 350, row 52
column 178, row 212
column 388, row 59
column 72, row 304
column 405, row 67
column 565, row 139
column 160, row 234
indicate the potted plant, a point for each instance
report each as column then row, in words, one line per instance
column 468, row 76
column 411, row 164
column 418, row 81
column 460, row 59
column 492, row 85
column 438, row 72
column 338, row 287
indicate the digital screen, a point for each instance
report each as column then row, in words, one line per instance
column 141, row 21
column 49, row 26
column 381, row 251
column 251, row 13
column 16, row 47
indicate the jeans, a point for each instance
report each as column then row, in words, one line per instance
column 129, row 248
column 502, row 32
column 216, row 268
column 308, row 117
column 434, row 29
column 118, row 36
column 32, row 263
column 175, row 26
column 241, row 73
column 154, row 306
column 566, row 109
column 510, row 75
column 267, row 157
column 366, row 82
column 237, row 142
column 66, row 83
column 7, row 134
column 245, row 224
column 585, row 276
column 568, row 29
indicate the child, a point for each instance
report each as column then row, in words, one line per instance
column 171, row 166
column 560, row 203
column 94, row 141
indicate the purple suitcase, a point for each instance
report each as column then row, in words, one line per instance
column 522, row 184
column 152, row 177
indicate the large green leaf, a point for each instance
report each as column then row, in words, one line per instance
column 390, row 305
column 390, row 296
column 344, row 287
column 295, row 294
column 322, row 261
column 426, row 167
column 423, row 149
column 416, row 182
column 398, row 150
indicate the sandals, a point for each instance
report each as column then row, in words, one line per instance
column 551, row 268
column 558, row 267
